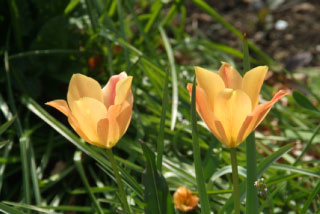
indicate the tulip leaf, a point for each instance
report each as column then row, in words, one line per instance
column 263, row 166
column 303, row 101
column 156, row 193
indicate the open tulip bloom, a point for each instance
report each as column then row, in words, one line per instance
column 228, row 102
column 99, row 116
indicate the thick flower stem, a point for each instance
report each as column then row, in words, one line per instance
column 122, row 193
column 235, row 178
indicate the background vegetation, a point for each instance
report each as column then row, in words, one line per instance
column 46, row 168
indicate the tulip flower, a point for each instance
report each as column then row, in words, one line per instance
column 184, row 200
column 99, row 116
column 228, row 102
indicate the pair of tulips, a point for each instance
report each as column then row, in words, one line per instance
column 227, row 103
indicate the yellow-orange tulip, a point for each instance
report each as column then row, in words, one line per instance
column 228, row 103
column 184, row 200
column 99, row 116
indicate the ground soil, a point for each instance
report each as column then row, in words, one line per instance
column 288, row 31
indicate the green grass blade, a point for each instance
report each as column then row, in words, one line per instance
column 174, row 109
column 9, row 210
column 155, row 10
column 72, row 4
column 6, row 125
column 91, row 13
column 289, row 168
column 23, row 146
column 160, row 142
column 204, row 201
column 123, row 32
column 307, row 146
column 34, row 174
column 311, row 197
column 77, row 160
column 5, row 155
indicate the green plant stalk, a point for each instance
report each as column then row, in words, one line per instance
column 235, row 179
column 122, row 193
column 251, row 191
column 205, row 207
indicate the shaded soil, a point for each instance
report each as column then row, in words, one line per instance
column 288, row 31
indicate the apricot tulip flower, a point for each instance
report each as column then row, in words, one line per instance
column 99, row 116
column 184, row 200
column 228, row 102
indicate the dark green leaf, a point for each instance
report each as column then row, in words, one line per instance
column 156, row 190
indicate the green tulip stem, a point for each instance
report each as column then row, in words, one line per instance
column 122, row 193
column 235, row 178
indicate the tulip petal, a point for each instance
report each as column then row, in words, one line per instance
column 124, row 118
column 83, row 86
column 231, row 108
column 256, row 117
column 60, row 105
column 109, row 90
column 206, row 113
column 231, row 77
column 76, row 127
column 112, row 128
column 103, row 129
column 252, row 83
column 210, row 82
column 88, row 112
column 123, row 90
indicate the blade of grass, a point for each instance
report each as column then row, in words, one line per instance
column 162, row 123
column 312, row 196
column 6, row 125
column 9, row 210
column 174, row 109
column 5, row 155
column 290, row 168
column 156, row 8
column 141, row 31
column 93, row 19
column 204, row 201
column 307, row 146
column 123, row 32
column 22, row 145
column 77, row 160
